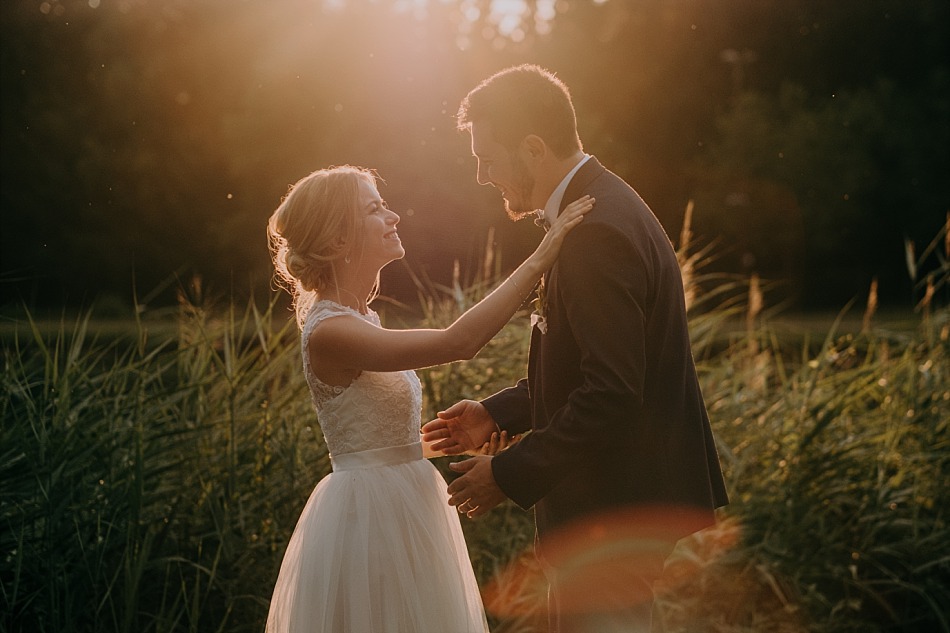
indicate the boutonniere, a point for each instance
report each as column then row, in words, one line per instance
column 540, row 303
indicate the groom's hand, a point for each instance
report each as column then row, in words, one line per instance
column 464, row 427
column 475, row 492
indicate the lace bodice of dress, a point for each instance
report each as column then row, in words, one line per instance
column 376, row 410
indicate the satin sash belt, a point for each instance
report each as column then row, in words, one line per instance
column 389, row 456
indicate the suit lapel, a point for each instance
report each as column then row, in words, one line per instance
column 588, row 172
column 579, row 184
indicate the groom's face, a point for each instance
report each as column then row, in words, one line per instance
column 503, row 169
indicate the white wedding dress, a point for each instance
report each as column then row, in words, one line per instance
column 377, row 548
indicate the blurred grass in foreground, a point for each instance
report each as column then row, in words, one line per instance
column 151, row 480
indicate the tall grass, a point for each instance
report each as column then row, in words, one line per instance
column 837, row 465
column 836, row 455
column 150, row 483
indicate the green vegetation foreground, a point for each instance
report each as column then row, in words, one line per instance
column 151, row 485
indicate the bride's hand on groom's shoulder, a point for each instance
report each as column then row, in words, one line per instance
column 573, row 213
column 566, row 220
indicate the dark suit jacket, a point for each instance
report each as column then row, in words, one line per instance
column 617, row 417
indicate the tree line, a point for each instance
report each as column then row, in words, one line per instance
column 145, row 143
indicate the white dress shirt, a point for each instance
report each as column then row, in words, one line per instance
column 549, row 212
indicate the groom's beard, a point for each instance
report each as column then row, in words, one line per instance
column 520, row 206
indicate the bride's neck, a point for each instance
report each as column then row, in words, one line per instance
column 349, row 298
column 352, row 288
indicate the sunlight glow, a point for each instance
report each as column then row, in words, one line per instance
column 417, row 7
column 508, row 14
column 594, row 552
column 511, row 19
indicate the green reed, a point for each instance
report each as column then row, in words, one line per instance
column 835, row 453
column 149, row 485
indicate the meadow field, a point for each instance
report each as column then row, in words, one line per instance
column 153, row 469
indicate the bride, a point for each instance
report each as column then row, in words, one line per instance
column 377, row 548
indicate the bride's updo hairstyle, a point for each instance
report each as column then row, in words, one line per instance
column 312, row 229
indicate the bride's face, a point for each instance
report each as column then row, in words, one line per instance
column 505, row 170
column 378, row 242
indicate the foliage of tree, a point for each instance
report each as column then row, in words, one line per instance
column 148, row 139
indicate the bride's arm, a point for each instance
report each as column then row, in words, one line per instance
column 353, row 343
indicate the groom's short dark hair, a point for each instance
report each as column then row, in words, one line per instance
column 524, row 100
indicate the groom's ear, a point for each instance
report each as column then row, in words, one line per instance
column 533, row 148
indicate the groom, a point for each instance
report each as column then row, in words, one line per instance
column 620, row 461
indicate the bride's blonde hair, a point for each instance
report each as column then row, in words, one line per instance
column 312, row 229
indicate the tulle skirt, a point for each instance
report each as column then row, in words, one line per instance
column 377, row 549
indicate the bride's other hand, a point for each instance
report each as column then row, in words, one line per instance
column 427, row 451
column 464, row 427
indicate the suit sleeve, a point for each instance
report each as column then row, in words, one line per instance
column 511, row 408
column 603, row 287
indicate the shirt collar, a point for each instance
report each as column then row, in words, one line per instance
column 553, row 205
